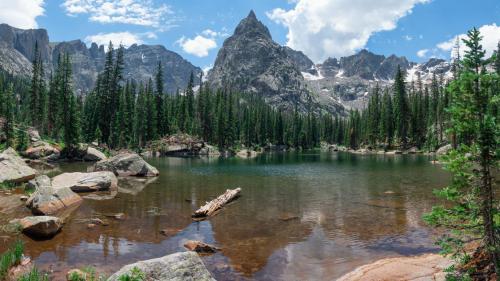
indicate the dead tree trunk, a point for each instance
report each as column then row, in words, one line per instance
column 210, row 207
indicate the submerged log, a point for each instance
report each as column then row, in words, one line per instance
column 211, row 207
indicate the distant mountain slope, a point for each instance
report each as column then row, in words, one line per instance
column 16, row 52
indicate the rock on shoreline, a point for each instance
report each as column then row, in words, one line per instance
column 127, row 164
column 424, row 267
column 180, row 266
column 13, row 168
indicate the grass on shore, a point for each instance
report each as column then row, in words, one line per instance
column 10, row 258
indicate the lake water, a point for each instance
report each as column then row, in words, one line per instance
column 302, row 216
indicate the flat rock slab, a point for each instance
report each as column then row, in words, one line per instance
column 184, row 266
column 13, row 168
column 86, row 182
column 419, row 268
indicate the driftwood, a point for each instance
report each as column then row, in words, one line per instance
column 211, row 207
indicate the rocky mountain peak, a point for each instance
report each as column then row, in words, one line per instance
column 251, row 62
column 251, row 26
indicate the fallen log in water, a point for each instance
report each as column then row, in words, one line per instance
column 211, row 207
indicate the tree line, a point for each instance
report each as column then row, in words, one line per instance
column 131, row 114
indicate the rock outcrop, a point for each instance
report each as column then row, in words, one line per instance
column 13, row 168
column 86, row 182
column 127, row 164
column 47, row 200
column 186, row 266
column 40, row 226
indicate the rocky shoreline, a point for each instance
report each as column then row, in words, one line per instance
column 422, row 267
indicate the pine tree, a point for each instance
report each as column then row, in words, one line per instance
column 401, row 112
column 160, row 111
column 8, row 126
column 473, row 206
column 70, row 120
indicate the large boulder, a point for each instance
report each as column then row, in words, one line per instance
column 246, row 154
column 40, row 226
column 47, row 200
column 86, row 182
column 93, row 155
column 444, row 150
column 40, row 149
column 183, row 266
column 127, row 164
column 209, row 150
column 13, row 168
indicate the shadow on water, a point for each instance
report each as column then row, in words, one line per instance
column 302, row 215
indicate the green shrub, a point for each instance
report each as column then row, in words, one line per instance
column 135, row 275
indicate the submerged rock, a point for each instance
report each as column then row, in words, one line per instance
column 86, row 182
column 13, row 168
column 47, row 200
column 199, row 247
column 180, row 266
column 40, row 226
column 127, row 164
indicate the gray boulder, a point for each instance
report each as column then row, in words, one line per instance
column 246, row 154
column 13, row 168
column 47, row 200
column 86, row 182
column 127, row 164
column 93, row 154
column 182, row 266
column 444, row 149
column 39, row 226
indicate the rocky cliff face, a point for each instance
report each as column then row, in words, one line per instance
column 17, row 49
column 250, row 61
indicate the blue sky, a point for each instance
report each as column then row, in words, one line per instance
column 196, row 29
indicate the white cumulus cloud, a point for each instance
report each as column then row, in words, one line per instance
column 491, row 37
column 21, row 13
column 422, row 53
column 202, row 43
column 125, row 38
column 198, row 46
column 334, row 28
column 137, row 12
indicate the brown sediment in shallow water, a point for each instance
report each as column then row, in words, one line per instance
column 341, row 217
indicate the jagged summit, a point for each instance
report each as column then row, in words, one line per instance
column 252, row 26
column 251, row 62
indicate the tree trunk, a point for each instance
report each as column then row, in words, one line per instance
column 210, row 207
